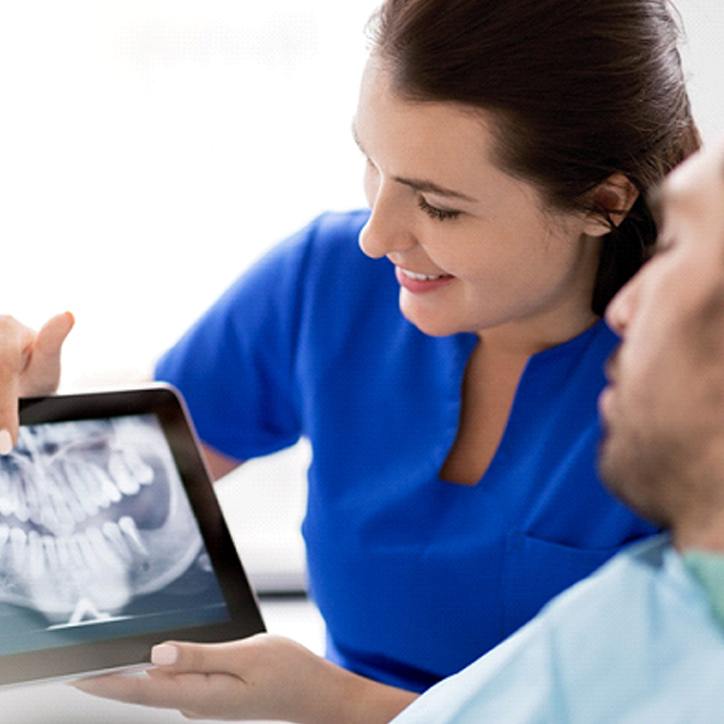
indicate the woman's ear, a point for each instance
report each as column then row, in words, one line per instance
column 613, row 198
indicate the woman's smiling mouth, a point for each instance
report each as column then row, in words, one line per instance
column 417, row 282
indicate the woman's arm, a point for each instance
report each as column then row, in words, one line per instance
column 262, row 677
column 217, row 463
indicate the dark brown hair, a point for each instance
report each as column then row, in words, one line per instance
column 580, row 90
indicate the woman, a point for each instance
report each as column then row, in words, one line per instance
column 453, row 488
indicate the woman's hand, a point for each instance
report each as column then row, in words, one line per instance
column 261, row 677
column 29, row 366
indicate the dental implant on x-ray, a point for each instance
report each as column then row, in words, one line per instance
column 92, row 515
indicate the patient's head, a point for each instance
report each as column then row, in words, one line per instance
column 664, row 411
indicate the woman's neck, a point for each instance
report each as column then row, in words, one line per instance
column 526, row 337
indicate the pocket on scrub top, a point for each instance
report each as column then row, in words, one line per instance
column 536, row 570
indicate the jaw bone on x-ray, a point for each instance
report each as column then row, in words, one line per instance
column 92, row 515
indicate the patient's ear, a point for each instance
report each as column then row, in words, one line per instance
column 612, row 200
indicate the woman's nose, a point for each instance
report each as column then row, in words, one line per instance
column 387, row 230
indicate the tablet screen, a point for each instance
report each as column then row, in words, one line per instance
column 98, row 539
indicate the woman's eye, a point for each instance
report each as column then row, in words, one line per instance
column 434, row 213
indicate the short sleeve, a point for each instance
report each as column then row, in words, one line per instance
column 235, row 365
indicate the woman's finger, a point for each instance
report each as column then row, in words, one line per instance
column 16, row 341
column 53, row 333
column 130, row 689
column 165, row 693
column 42, row 373
column 178, row 657
column 192, row 693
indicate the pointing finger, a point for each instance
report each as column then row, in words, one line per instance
column 42, row 374
column 15, row 343
column 53, row 333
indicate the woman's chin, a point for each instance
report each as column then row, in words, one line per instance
column 432, row 325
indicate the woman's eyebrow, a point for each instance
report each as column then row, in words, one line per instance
column 419, row 184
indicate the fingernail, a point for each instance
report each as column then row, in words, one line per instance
column 164, row 655
column 6, row 442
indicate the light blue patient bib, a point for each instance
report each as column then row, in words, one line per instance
column 639, row 642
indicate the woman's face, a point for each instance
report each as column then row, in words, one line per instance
column 473, row 247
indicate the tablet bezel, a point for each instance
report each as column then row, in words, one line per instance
column 245, row 619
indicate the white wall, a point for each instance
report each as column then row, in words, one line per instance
column 150, row 149
column 703, row 53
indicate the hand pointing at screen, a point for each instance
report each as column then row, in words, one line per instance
column 29, row 365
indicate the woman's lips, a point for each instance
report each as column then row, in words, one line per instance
column 418, row 283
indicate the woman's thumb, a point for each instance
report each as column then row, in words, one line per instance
column 190, row 657
column 53, row 333
column 42, row 373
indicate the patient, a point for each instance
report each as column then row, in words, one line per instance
column 642, row 640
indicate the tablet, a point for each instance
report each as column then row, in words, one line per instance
column 111, row 538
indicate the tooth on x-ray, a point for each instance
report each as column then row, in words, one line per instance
column 36, row 566
column 128, row 526
column 112, row 532
column 51, row 552
column 18, row 541
column 85, row 609
column 121, row 473
column 92, row 515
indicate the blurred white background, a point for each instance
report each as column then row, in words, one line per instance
column 151, row 149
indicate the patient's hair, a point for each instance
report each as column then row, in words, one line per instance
column 578, row 90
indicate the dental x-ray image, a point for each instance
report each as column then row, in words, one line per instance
column 96, row 528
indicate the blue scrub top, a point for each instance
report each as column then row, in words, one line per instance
column 415, row 577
